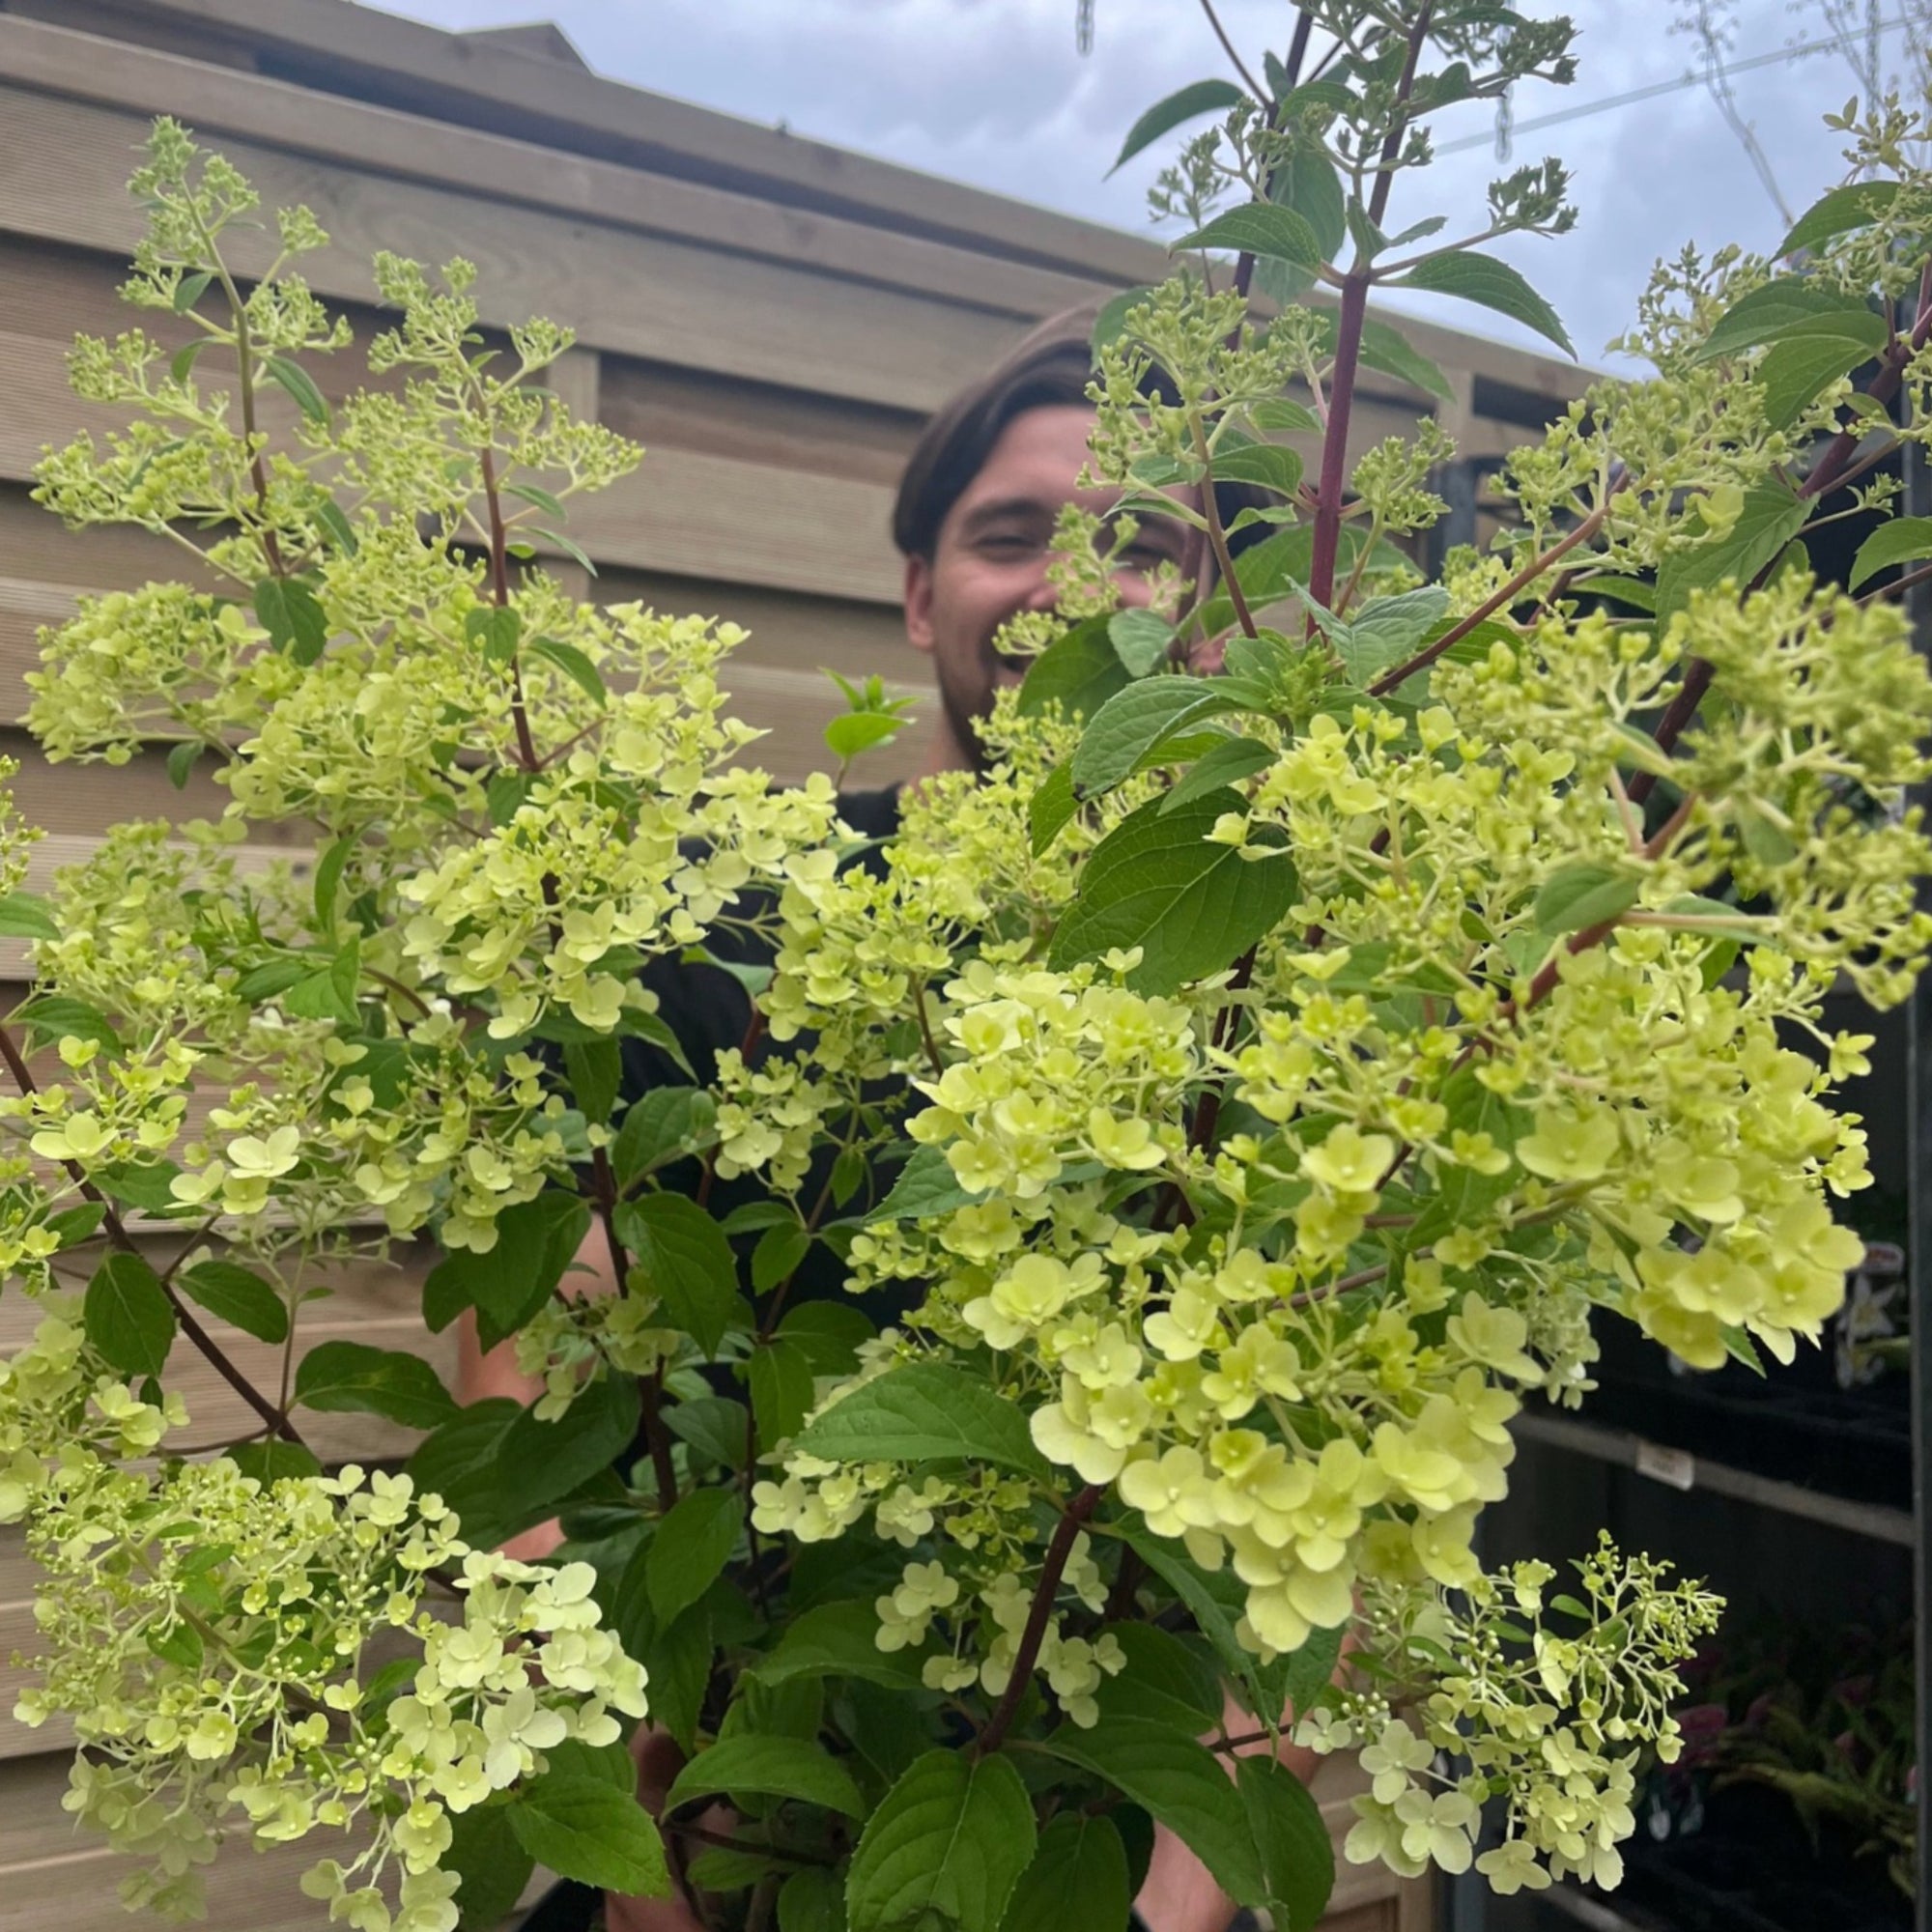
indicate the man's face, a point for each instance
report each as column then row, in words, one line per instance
column 990, row 562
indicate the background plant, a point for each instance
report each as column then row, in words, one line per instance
column 1294, row 1062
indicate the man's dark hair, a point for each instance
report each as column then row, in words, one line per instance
column 1049, row 367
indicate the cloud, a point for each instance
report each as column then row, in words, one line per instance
column 994, row 93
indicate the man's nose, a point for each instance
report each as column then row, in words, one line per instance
column 1042, row 596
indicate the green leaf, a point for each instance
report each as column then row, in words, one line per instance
column 1274, row 465
column 715, row 1428
column 301, row 384
column 949, row 1839
column 779, row 1375
column 830, row 1334
column 1576, row 895
column 1184, row 104
column 926, row 1186
column 839, row 1641
column 328, row 514
column 180, row 364
column 190, row 289
column 583, row 1829
column 291, row 618
column 1806, row 359
column 1463, row 1194
column 271, row 1462
column 50, row 1017
column 1773, row 310
column 1079, row 673
column 535, row 495
column 923, row 1413
column 1077, row 1881
column 1261, row 229
column 813, row 1899
column 352, row 1375
column 140, row 1184
column 127, row 1316
column 595, row 1070
column 1856, row 205
column 328, row 879
column 575, row 552
column 1192, row 906
column 677, row 1657
column 1165, row 1680
column 1771, row 516
column 691, row 1548
column 535, row 1241
column 240, row 1296
column 1902, row 540
column 853, row 732
column 329, row 994
column 1388, row 630
column 537, row 1462
column 1180, row 1784
column 771, row 1766
column 661, row 1125
column 1493, row 284
column 1227, row 763
column 687, row 1263
column 1216, row 1621
column 1141, row 639
column 1297, row 1856
column 777, row 1256
column 493, row 1866
column 1051, row 807
column 1134, row 721
column 25, row 915
column 1305, row 181
column 1279, row 414
column 497, row 628
column 1386, row 349
column 1311, row 1668
column 574, row 664
column 457, row 1460
column 182, row 762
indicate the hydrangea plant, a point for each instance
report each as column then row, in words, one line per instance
column 1224, row 1110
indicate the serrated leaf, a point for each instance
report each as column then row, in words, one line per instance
column 778, row 1254
column 1386, row 349
column 291, row 618
column 660, row 1126
column 1279, row 414
column 1387, row 631
column 1772, row 310
column 1077, row 1881
column 1216, row 1621
column 271, row 1462
column 1140, row 639
column 352, row 1375
column 140, row 1184
column 839, row 1641
column 1180, row 1784
column 923, row 1413
column 1902, row 540
column 926, row 1186
column 1133, row 722
column 537, row 1462
column 457, row 1460
column 1261, row 229
column 26, row 915
column 1165, row 1680
column 778, row 1373
column 595, row 1070
column 493, row 1866
column 574, row 664
column 716, row 1429
column 128, row 1317
column 535, row 1241
column 51, row 1017
column 1493, row 284
column 1225, row 764
column 1051, row 807
column 1772, row 515
column 1183, row 104
column 950, row 1839
column 1297, row 1856
column 771, row 1766
column 1582, row 894
column 1273, row 466
column 301, row 384
column 1079, row 672
column 1856, row 205
column 1305, row 181
column 238, row 1295
column 583, row 1829
column 813, row 1899
column 1806, row 359
column 687, row 1263
column 1158, row 882
column 691, row 1548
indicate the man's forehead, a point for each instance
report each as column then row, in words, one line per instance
column 1035, row 466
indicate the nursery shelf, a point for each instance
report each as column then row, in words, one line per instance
column 1678, row 1469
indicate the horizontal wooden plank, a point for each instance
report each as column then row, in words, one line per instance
column 377, row 56
column 63, row 171
column 219, row 103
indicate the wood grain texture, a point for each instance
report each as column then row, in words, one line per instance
column 219, row 102
column 63, row 171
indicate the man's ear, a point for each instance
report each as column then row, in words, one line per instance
column 918, row 603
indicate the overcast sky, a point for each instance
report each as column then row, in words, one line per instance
column 995, row 93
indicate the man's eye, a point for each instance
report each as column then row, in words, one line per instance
column 1007, row 543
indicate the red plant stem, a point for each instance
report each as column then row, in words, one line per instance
column 1335, row 443
column 605, row 1182
column 1034, row 1634
column 1393, row 680
column 210, row 1351
column 499, row 590
column 1392, row 144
